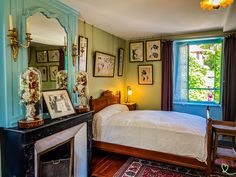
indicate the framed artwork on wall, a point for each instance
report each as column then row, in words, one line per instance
column 42, row 56
column 136, row 51
column 53, row 55
column 104, row 65
column 120, row 61
column 58, row 103
column 145, row 74
column 53, row 70
column 44, row 73
column 153, row 50
column 83, row 53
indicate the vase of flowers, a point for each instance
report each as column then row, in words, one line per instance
column 30, row 91
column 81, row 88
column 61, row 80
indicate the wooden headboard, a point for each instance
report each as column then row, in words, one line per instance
column 106, row 99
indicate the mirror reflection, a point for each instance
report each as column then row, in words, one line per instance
column 47, row 49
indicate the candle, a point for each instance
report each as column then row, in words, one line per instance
column 64, row 40
column 27, row 27
column 10, row 22
column 75, row 42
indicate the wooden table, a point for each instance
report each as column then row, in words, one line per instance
column 224, row 128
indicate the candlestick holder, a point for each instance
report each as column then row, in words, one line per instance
column 74, row 54
column 13, row 36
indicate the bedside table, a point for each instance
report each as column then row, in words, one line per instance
column 131, row 106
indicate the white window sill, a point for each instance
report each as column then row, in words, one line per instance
column 198, row 104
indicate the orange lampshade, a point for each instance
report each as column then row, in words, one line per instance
column 215, row 4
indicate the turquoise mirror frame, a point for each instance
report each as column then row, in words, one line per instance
column 11, row 110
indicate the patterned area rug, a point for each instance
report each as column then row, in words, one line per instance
column 135, row 167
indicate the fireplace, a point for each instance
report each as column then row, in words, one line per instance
column 66, row 141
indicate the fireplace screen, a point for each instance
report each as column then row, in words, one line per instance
column 57, row 161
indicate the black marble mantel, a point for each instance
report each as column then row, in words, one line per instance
column 18, row 144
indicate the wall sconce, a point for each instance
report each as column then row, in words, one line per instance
column 65, row 44
column 129, row 93
column 74, row 49
column 13, row 36
column 83, row 43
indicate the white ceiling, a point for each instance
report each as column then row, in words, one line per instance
column 131, row 19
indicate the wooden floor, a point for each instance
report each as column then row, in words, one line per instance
column 106, row 164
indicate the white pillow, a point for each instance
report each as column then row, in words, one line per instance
column 111, row 110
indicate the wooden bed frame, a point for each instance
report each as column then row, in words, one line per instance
column 107, row 98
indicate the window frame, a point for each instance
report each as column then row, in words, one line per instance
column 189, row 42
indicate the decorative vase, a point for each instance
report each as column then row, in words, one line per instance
column 30, row 112
column 81, row 89
column 30, row 92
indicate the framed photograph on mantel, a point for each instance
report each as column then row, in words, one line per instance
column 83, row 53
column 136, row 51
column 58, row 103
column 104, row 65
column 120, row 61
column 145, row 74
column 153, row 50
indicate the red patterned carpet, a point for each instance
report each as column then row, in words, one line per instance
column 135, row 167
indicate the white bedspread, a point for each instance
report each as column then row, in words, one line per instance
column 170, row 132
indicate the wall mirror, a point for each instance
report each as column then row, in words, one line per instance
column 47, row 50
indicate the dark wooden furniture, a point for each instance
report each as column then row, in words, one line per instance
column 107, row 98
column 131, row 106
column 18, row 144
column 224, row 128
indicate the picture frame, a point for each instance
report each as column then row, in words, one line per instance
column 136, row 51
column 44, row 73
column 53, row 55
column 53, row 70
column 104, row 65
column 153, row 50
column 42, row 56
column 83, row 56
column 58, row 103
column 145, row 74
column 120, row 61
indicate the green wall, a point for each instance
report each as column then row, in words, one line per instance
column 145, row 96
column 99, row 40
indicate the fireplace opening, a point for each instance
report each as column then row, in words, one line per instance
column 57, row 160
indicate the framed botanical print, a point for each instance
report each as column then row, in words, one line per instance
column 83, row 53
column 53, row 70
column 136, row 51
column 53, row 55
column 44, row 73
column 104, row 65
column 153, row 50
column 58, row 103
column 42, row 56
column 145, row 74
column 120, row 61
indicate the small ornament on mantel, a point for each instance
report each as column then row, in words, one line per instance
column 81, row 88
column 30, row 95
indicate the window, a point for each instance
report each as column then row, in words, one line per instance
column 198, row 71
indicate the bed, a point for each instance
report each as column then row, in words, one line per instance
column 115, row 131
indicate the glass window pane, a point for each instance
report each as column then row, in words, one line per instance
column 204, row 95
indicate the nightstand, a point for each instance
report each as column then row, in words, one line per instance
column 131, row 106
column 223, row 128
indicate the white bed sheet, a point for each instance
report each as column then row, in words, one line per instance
column 169, row 132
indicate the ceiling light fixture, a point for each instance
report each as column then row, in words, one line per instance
column 215, row 4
